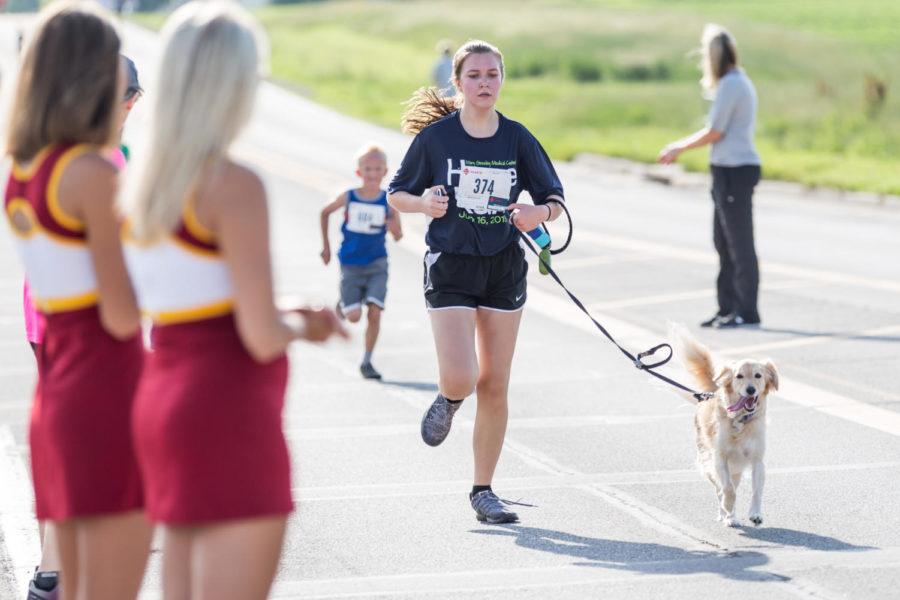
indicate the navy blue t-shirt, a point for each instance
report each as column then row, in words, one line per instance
column 482, row 176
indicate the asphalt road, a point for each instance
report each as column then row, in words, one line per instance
column 603, row 453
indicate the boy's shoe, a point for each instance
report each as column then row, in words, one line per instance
column 490, row 509
column 44, row 586
column 437, row 420
column 734, row 320
column 368, row 371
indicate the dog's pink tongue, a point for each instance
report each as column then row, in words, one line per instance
column 744, row 402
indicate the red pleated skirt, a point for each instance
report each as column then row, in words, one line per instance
column 82, row 455
column 208, row 427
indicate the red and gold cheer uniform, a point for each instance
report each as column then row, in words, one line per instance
column 208, row 417
column 82, row 456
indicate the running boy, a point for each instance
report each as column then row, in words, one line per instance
column 363, row 256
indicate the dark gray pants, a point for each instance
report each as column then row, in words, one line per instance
column 738, row 281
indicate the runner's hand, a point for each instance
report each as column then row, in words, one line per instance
column 319, row 324
column 526, row 216
column 434, row 202
column 326, row 255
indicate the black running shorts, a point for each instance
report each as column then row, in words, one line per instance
column 495, row 282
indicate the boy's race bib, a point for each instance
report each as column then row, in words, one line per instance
column 480, row 186
column 365, row 218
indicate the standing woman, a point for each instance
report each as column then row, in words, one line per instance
column 465, row 170
column 60, row 205
column 207, row 419
column 735, row 167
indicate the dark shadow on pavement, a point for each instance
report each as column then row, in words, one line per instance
column 640, row 557
column 792, row 537
column 412, row 385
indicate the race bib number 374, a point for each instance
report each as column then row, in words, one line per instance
column 480, row 186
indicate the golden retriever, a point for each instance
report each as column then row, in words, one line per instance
column 731, row 426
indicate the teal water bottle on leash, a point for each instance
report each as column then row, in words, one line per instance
column 542, row 239
column 540, row 235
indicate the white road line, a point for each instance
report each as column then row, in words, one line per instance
column 839, row 406
column 303, row 432
column 16, row 511
column 13, row 343
column 835, row 405
column 864, row 390
column 525, row 380
column 703, row 257
column 17, row 372
column 679, row 296
column 568, row 264
column 752, row 565
column 545, row 482
column 279, row 165
column 812, row 340
column 646, row 514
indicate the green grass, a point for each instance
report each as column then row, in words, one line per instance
column 615, row 76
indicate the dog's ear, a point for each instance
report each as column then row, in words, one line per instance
column 771, row 374
column 723, row 379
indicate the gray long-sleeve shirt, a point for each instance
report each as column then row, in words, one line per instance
column 733, row 113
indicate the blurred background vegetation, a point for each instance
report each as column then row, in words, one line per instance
column 618, row 77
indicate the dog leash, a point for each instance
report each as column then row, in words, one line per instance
column 636, row 360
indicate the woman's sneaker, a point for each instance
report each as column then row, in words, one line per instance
column 44, row 586
column 368, row 371
column 438, row 419
column 490, row 509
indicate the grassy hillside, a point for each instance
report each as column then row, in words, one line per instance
column 616, row 76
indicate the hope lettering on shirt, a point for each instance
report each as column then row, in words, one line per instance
column 365, row 218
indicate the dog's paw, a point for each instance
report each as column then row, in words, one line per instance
column 731, row 522
column 756, row 519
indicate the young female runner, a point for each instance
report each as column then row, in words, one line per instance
column 465, row 170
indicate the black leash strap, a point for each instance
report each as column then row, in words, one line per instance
column 637, row 361
column 562, row 248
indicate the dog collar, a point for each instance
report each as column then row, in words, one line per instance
column 744, row 419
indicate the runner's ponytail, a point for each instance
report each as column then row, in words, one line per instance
column 424, row 108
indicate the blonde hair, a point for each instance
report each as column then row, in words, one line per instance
column 205, row 92
column 719, row 55
column 427, row 105
column 371, row 148
column 68, row 86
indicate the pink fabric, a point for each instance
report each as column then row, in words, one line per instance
column 34, row 322
column 118, row 158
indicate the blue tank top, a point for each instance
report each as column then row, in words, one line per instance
column 364, row 229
